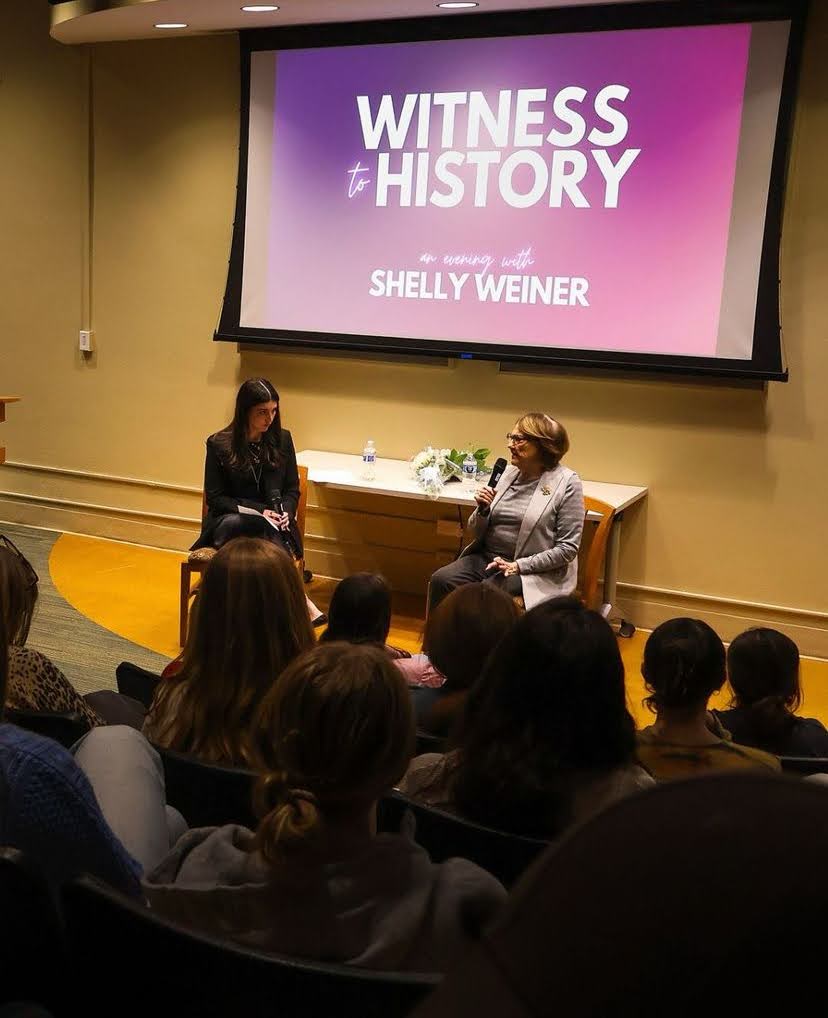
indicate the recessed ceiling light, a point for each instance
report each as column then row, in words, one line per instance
column 458, row 6
column 260, row 8
column 171, row 24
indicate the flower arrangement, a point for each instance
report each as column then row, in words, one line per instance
column 480, row 455
column 433, row 467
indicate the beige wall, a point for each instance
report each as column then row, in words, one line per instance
column 737, row 476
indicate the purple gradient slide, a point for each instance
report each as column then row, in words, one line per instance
column 558, row 191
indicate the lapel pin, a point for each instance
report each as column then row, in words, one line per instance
column 546, row 490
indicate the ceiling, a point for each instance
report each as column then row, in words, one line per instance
column 79, row 21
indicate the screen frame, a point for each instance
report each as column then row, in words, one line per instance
column 767, row 358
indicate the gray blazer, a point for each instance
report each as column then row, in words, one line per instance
column 549, row 536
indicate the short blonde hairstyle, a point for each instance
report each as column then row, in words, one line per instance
column 549, row 434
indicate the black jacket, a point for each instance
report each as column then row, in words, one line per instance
column 227, row 487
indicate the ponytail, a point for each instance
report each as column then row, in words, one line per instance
column 763, row 667
column 290, row 817
column 769, row 718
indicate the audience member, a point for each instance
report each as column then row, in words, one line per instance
column 545, row 739
column 250, row 623
column 34, row 682
column 315, row 880
column 48, row 809
column 684, row 665
column 460, row 633
column 763, row 669
column 360, row 612
column 696, row 897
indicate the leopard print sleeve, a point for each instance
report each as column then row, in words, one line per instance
column 35, row 683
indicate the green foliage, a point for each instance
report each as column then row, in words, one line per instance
column 481, row 455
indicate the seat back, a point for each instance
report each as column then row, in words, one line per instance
column 444, row 836
column 302, row 507
column 593, row 567
column 65, row 728
column 187, row 973
column 31, row 938
column 206, row 794
column 428, row 743
column 137, row 682
column 805, row 764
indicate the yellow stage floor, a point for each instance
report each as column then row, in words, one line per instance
column 133, row 591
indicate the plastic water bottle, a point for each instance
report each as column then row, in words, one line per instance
column 369, row 461
column 469, row 469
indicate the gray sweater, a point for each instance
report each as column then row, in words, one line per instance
column 388, row 907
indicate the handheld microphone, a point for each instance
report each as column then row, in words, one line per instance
column 497, row 473
column 287, row 540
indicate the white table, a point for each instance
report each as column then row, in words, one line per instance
column 393, row 477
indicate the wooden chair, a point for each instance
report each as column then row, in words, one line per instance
column 593, row 567
column 196, row 562
column 590, row 574
column 170, row 969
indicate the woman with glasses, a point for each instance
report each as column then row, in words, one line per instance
column 34, row 683
column 527, row 530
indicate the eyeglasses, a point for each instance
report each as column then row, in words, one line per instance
column 32, row 579
column 516, row 438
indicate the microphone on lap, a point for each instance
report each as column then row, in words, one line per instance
column 287, row 539
column 497, row 473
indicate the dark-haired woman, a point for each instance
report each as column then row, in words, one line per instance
column 763, row 668
column 684, row 665
column 251, row 482
column 545, row 739
column 360, row 612
column 459, row 635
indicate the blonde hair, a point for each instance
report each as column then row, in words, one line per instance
column 250, row 622
column 548, row 433
column 333, row 734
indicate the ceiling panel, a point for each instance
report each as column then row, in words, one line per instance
column 80, row 21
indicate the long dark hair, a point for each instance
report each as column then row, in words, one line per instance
column 360, row 610
column 18, row 596
column 251, row 393
column 250, row 622
column 550, row 703
column 763, row 668
column 684, row 664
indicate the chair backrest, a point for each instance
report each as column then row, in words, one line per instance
column 31, row 938
column 428, row 743
column 137, row 682
column 444, row 836
column 206, row 794
column 302, row 507
column 597, row 550
column 187, row 973
column 65, row 728
column 805, row 764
